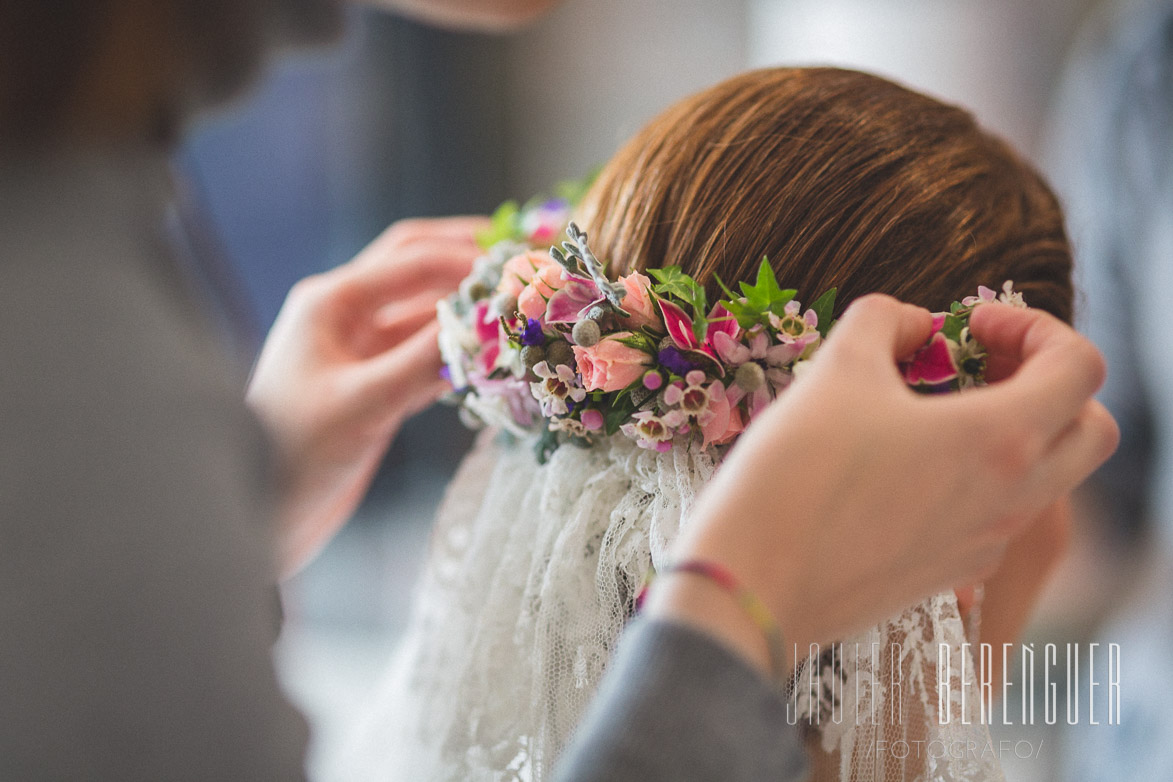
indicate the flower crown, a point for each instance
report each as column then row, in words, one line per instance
column 543, row 341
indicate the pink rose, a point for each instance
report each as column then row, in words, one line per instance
column 638, row 302
column 520, row 269
column 610, row 365
column 725, row 421
column 531, row 302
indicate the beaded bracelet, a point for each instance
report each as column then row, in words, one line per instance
column 749, row 602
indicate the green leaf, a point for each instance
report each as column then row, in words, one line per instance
column 614, row 418
column 639, row 341
column 747, row 315
column 545, row 445
column 674, row 282
column 724, row 288
column 504, row 224
column 824, row 308
column 952, row 327
column 765, row 295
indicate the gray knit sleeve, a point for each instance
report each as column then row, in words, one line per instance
column 677, row 705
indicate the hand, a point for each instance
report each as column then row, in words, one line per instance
column 886, row 496
column 353, row 354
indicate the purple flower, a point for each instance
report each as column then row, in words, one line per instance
column 674, row 361
column 532, row 333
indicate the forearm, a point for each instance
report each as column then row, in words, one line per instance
column 482, row 15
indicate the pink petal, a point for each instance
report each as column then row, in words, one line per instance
column 488, row 357
column 721, row 321
column 571, row 303
column 593, row 419
column 673, row 395
column 487, row 325
column 783, row 354
column 757, row 346
column 730, row 350
column 717, row 423
column 759, row 401
column 938, row 321
column 679, row 326
column 932, row 364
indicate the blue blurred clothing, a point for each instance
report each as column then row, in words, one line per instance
column 1110, row 156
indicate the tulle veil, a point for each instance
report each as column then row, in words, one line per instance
column 531, row 575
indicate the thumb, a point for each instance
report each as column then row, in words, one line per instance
column 880, row 328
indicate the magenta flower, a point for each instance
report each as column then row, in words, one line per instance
column 932, row 365
column 574, row 300
column 681, row 327
column 488, row 332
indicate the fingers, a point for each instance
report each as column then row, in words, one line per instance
column 399, row 320
column 879, row 328
column 1077, row 451
column 462, row 230
column 1045, row 371
column 407, row 377
column 439, row 263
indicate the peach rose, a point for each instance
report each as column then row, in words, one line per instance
column 638, row 302
column 610, row 365
column 531, row 302
column 725, row 421
column 520, row 269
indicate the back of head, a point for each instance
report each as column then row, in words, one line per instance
column 843, row 180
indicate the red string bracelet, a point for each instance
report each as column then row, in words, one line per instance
column 749, row 602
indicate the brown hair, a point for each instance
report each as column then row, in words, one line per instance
column 116, row 70
column 843, row 180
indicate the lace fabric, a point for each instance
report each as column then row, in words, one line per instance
column 533, row 573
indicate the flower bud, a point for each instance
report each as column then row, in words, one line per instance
column 478, row 290
column 750, row 377
column 653, row 380
column 586, row 333
column 532, row 354
column 559, row 352
column 507, row 306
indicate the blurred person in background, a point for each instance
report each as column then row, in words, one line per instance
column 1110, row 153
column 136, row 588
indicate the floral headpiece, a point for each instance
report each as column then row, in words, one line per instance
column 543, row 341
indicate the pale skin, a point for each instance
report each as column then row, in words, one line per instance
column 353, row 354
column 862, row 534
column 483, row 15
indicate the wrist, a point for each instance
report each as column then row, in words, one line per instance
column 705, row 607
column 711, row 598
column 772, row 577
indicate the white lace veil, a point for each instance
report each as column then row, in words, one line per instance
column 532, row 575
